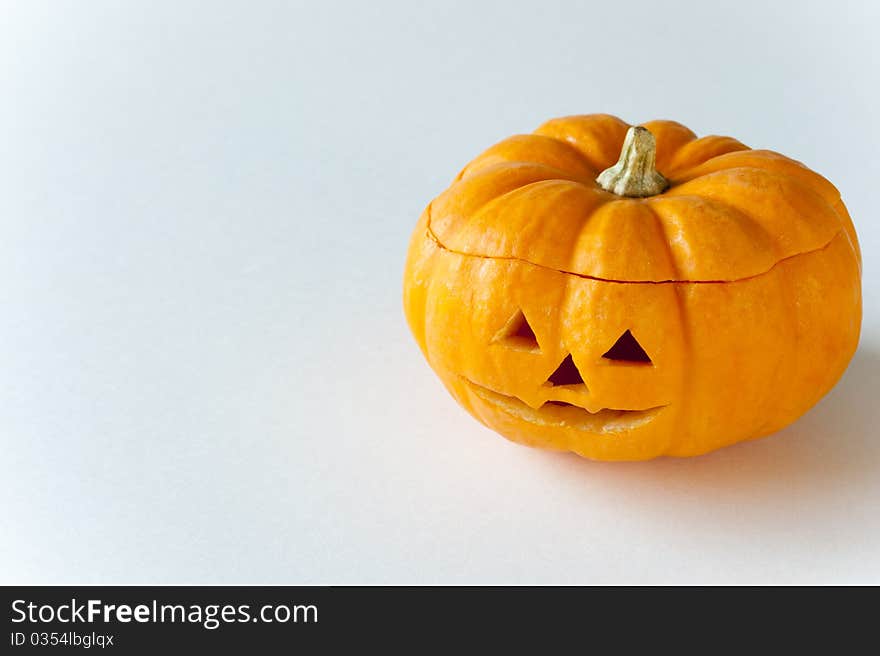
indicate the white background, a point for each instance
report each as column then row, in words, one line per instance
column 205, row 374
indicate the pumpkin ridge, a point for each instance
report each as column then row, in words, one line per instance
column 477, row 165
column 680, row 302
column 500, row 167
column 726, row 144
column 849, row 230
column 528, row 185
column 813, row 228
column 790, row 362
column 596, row 128
column 561, row 186
column 664, row 209
column 457, row 195
column 767, row 159
column 793, row 179
column 671, row 137
column 433, row 237
column 662, row 227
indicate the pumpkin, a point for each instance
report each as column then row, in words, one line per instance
column 626, row 292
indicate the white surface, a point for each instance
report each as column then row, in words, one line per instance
column 205, row 372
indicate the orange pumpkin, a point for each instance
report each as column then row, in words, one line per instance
column 695, row 294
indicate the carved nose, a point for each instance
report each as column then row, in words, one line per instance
column 566, row 373
column 627, row 349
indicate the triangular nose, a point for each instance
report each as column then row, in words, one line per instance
column 566, row 373
column 627, row 349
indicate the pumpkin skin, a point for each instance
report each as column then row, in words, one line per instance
column 740, row 282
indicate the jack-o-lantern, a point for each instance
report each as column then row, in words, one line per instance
column 694, row 294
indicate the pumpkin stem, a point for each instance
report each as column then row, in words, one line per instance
column 634, row 174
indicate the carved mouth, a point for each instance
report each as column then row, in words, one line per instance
column 559, row 413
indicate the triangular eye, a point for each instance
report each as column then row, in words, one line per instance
column 518, row 334
column 627, row 349
column 566, row 374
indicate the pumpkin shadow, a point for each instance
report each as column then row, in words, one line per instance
column 827, row 462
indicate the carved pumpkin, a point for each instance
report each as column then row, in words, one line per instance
column 694, row 294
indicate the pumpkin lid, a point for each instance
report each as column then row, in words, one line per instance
column 728, row 212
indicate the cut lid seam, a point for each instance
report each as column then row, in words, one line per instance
column 433, row 237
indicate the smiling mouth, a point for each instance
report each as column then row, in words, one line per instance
column 560, row 413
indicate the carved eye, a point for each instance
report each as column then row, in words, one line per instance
column 518, row 334
column 627, row 349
